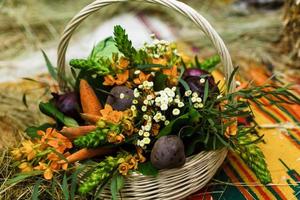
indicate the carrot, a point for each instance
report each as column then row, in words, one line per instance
column 89, row 101
column 74, row 132
column 85, row 153
column 90, row 118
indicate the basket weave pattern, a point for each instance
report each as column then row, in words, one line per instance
column 199, row 169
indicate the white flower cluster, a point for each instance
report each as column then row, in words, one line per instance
column 144, row 132
column 167, row 97
column 153, row 105
column 195, row 99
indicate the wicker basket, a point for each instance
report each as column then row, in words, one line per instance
column 199, row 169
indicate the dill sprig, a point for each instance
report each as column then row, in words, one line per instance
column 125, row 46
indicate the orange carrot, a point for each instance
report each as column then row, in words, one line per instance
column 90, row 118
column 85, row 153
column 89, row 101
column 74, row 132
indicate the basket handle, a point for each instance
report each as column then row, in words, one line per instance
column 182, row 8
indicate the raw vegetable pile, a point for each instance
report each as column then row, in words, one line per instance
column 140, row 110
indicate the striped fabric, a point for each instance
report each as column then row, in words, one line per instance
column 281, row 148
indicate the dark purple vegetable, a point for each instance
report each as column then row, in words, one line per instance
column 67, row 103
column 193, row 76
column 121, row 98
column 168, row 152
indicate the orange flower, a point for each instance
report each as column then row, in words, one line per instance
column 155, row 129
column 139, row 155
column 123, row 63
column 110, row 115
column 120, row 79
column 48, row 172
column 232, row 129
column 142, row 77
column 109, row 80
column 56, row 140
column 172, row 74
column 119, row 138
column 160, row 61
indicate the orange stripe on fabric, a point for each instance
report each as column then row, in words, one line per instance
column 266, row 195
column 257, row 109
column 234, row 179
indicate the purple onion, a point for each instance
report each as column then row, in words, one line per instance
column 67, row 103
column 192, row 77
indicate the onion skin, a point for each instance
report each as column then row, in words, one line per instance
column 68, row 104
column 192, row 77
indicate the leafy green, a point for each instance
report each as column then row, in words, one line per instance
column 32, row 130
column 35, row 192
column 65, row 188
column 105, row 48
column 208, row 64
column 52, row 70
column 50, row 110
column 23, row 176
column 160, row 81
column 117, row 183
column 191, row 117
column 147, row 169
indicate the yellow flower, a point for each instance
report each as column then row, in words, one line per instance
column 123, row 168
column 111, row 137
column 17, row 154
column 128, row 127
column 48, row 172
column 25, row 167
column 133, row 163
column 28, row 149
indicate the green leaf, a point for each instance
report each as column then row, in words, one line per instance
column 65, row 188
column 50, row 110
column 160, row 81
column 147, row 169
column 22, row 176
column 231, row 78
column 52, row 70
column 179, row 121
column 105, row 48
column 32, row 130
column 74, row 180
column 149, row 66
column 206, row 90
column 24, row 100
column 117, row 183
column 190, row 149
column 35, row 193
